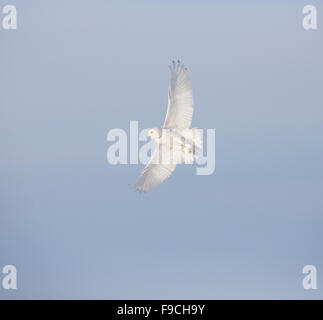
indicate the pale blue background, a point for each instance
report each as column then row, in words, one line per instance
column 69, row 222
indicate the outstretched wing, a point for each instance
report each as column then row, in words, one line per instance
column 156, row 170
column 180, row 99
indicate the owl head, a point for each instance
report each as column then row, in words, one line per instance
column 155, row 133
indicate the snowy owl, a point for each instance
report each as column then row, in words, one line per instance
column 176, row 142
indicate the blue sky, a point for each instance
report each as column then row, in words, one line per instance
column 68, row 220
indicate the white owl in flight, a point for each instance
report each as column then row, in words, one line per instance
column 176, row 142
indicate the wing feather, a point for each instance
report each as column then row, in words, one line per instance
column 154, row 173
column 180, row 99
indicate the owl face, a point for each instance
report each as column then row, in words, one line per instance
column 154, row 133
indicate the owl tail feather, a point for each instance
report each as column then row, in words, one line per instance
column 193, row 141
